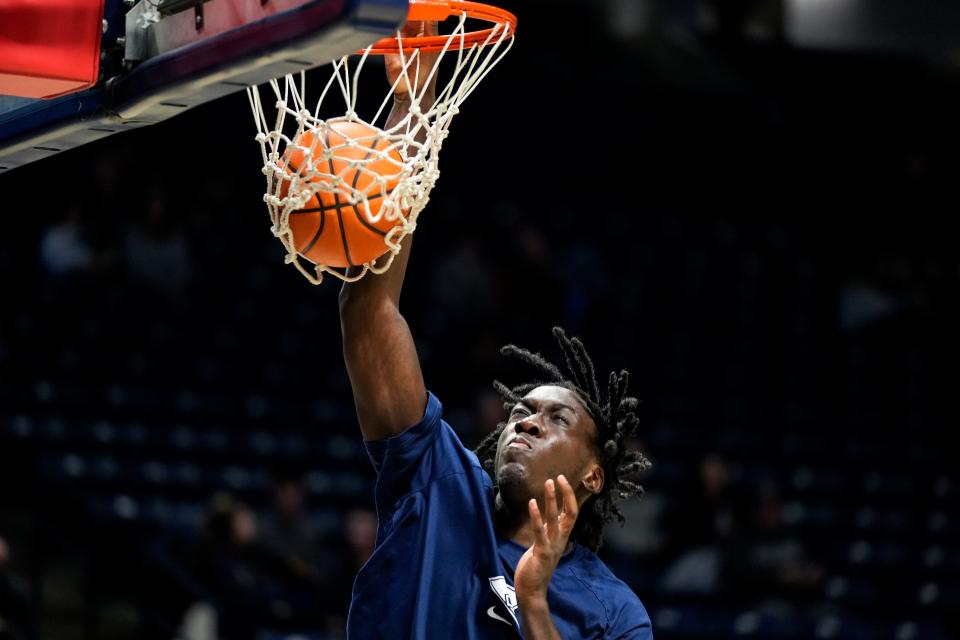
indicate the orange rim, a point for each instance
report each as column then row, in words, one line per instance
column 440, row 10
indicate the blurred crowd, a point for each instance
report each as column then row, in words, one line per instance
column 713, row 529
column 16, row 601
column 273, row 573
column 272, row 570
column 149, row 249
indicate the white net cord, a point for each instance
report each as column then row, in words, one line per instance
column 295, row 129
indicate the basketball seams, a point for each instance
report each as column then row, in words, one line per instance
column 343, row 238
column 362, row 236
column 325, row 207
column 296, row 161
column 361, row 218
column 316, row 236
column 336, row 198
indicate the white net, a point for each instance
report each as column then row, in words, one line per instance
column 377, row 179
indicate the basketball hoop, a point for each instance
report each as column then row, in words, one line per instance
column 382, row 178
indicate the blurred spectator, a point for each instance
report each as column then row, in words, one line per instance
column 766, row 563
column 110, row 198
column 707, row 517
column 487, row 414
column 643, row 532
column 709, row 509
column 586, row 276
column 629, row 19
column 359, row 538
column 65, row 249
column 526, row 250
column 156, row 251
column 461, row 292
column 286, row 530
column 861, row 304
column 15, row 622
column 253, row 588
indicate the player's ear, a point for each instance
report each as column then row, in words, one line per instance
column 592, row 480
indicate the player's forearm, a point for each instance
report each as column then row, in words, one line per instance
column 389, row 284
column 381, row 359
column 380, row 353
column 374, row 289
column 537, row 623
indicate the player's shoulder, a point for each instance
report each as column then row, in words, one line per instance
column 431, row 442
column 587, row 566
column 452, row 451
column 621, row 604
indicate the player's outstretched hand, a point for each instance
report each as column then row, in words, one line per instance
column 419, row 64
column 537, row 565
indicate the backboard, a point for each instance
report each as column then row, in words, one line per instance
column 161, row 58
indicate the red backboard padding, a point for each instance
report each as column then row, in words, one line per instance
column 49, row 47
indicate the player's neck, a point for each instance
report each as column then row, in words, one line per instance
column 524, row 535
column 507, row 519
column 513, row 522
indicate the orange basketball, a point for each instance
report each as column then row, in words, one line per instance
column 329, row 230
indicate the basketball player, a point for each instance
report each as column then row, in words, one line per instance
column 492, row 546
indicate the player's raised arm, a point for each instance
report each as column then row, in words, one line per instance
column 381, row 358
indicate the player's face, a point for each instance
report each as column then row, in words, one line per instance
column 548, row 433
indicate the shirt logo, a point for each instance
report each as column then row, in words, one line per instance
column 492, row 612
column 507, row 595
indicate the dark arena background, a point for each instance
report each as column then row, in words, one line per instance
column 750, row 204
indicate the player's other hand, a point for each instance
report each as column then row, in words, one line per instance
column 552, row 530
column 419, row 63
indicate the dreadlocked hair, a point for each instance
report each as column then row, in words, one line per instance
column 614, row 417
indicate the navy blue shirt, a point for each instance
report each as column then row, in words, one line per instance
column 439, row 569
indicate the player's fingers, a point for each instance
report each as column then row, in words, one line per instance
column 412, row 28
column 570, row 506
column 537, row 521
column 550, row 509
column 419, row 28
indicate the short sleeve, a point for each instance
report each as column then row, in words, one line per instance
column 391, row 456
column 631, row 621
column 409, row 462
